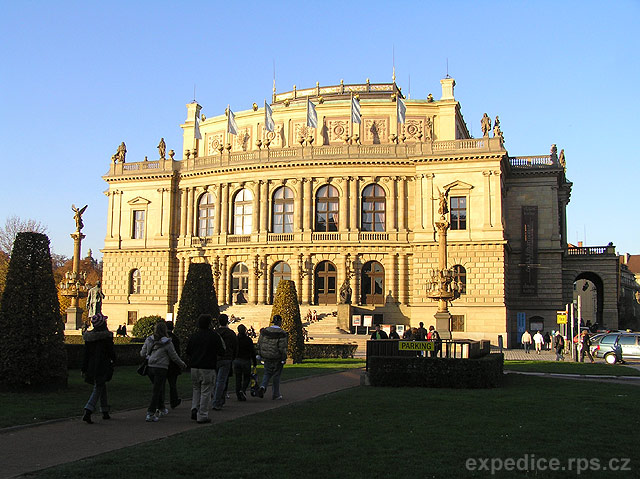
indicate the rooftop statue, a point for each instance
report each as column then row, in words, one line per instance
column 443, row 208
column 121, row 153
column 486, row 125
column 162, row 149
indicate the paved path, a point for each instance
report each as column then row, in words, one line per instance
column 37, row 447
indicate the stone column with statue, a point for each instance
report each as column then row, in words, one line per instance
column 73, row 285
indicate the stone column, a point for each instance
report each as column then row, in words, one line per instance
column 497, row 207
column 402, row 198
column 223, row 294
column 297, row 207
column 391, row 206
column 255, row 208
column 403, row 285
column 296, row 272
column 429, row 206
column 216, row 219
column 224, row 209
column 353, row 203
column 183, row 223
column 181, row 276
column 265, row 201
column 342, row 214
column 309, row 279
column 190, row 211
column 487, row 199
column 418, row 217
column 262, row 281
column 356, row 280
column 390, row 276
column 308, row 205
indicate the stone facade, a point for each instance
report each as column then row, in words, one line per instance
column 341, row 202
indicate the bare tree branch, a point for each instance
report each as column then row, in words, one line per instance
column 15, row 225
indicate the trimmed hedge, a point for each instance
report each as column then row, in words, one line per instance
column 400, row 371
column 126, row 354
column 319, row 351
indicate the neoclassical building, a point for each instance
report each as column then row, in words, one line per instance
column 343, row 202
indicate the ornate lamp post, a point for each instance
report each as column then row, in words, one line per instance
column 73, row 285
column 441, row 286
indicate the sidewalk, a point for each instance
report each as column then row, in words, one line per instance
column 37, row 447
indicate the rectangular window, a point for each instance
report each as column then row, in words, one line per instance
column 458, row 209
column 138, row 224
column 457, row 323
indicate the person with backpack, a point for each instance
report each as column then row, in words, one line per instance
column 435, row 337
column 272, row 348
column 558, row 345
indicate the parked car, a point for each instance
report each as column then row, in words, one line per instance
column 616, row 346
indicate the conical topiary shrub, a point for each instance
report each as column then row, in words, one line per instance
column 32, row 351
column 198, row 297
column 286, row 305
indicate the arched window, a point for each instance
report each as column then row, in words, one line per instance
column 242, row 212
column 283, row 210
column 460, row 277
column 372, row 283
column 206, row 215
column 327, row 208
column 134, row 281
column 325, row 283
column 373, row 208
column 239, row 283
column 280, row 271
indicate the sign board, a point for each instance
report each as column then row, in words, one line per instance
column 522, row 322
column 416, row 346
column 561, row 317
column 400, row 329
column 368, row 320
column 356, row 320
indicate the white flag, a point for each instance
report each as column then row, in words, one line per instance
column 312, row 116
column 355, row 110
column 232, row 126
column 402, row 110
column 269, row 125
column 197, row 134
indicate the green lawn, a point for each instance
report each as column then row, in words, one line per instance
column 398, row 432
column 568, row 367
column 126, row 390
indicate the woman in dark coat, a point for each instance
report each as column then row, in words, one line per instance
column 97, row 365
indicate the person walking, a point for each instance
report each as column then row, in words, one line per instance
column 585, row 346
column 558, row 345
column 272, row 348
column 97, row 365
column 225, row 361
column 393, row 334
column 245, row 358
column 547, row 341
column 174, row 370
column 408, row 334
column 202, row 350
column 538, row 339
column 379, row 333
column 159, row 351
column 435, row 337
column 526, row 341
column 422, row 332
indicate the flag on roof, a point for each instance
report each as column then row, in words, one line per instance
column 402, row 110
column 197, row 134
column 269, row 125
column 355, row 110
column 232, row 126
column 312, row 116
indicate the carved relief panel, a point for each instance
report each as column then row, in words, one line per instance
column 275, row 137
column 301, row 129
column 242, row 141
column 376, row 130
column 336, row 129
column 413, row 129
column 213, row 141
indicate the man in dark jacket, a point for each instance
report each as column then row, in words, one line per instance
column 379, row 333
column 225, row 360
column 272, row 347
column 97, row 365
column 174, row 370
column 202, row 351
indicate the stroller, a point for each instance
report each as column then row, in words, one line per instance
column 253, row 383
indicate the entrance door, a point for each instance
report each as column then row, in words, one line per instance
column 325, row 280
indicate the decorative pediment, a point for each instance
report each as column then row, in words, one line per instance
column 458, row 185
column 139, row 201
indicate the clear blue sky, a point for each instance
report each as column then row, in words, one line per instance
column 77, row 78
